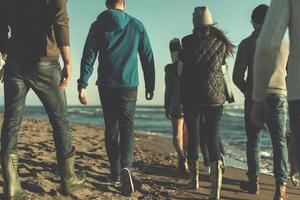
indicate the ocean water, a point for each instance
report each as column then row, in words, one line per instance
column 152, row 120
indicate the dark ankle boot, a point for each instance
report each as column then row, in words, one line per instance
column 280, row 192
column 250, row 186
column 194, row 167
column 216, row 180
column 70, row 180
column 12, row 186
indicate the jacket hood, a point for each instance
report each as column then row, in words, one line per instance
column 113, row 20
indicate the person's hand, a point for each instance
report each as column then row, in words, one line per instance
column 149, row 95
column 259, row 114
column 167, row 113
column 66, row 77
column 82, row 96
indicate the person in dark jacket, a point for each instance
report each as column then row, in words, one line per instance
column 277, row 108
column 116, row 38
column 173, row 106
column 203, row 92
column 39, row 34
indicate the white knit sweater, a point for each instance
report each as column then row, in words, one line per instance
column 282, row 14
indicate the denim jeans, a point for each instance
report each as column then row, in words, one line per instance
column 212, row 115
column 43, row 77
column 277, row 105
column 294, row 113
column 118, row 105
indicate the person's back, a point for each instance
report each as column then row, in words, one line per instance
column 34, row 30
column 119, row 38
column 269, row 44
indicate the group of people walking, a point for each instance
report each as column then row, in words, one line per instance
column 195, row 87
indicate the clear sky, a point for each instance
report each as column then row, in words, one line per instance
column 164, row 20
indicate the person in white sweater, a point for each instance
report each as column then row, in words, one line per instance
column 282, row 14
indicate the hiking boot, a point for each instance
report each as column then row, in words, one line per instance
column 280, row 192
column 70, row 180
column 250, row 186
column 12, row 186
column 216, row 177
column 194, row 167
column 127, row 186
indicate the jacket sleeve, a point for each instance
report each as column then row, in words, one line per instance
column 3, row 28
column 147, row 61
column 61, row 23
column 90, row 52
column 268, row 46
column 240, row 67
column 168, row 89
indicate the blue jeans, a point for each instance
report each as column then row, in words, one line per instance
column 277, row 105
column 118, row 105
column 294, row 113
column 212, row 116
column 43, row 77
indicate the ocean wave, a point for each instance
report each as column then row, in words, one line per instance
column 234, row 114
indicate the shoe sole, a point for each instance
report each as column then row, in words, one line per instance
column 126, row 182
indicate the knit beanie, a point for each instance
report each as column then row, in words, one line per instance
column 259, row 14
column 202, row 17
column 175, row 45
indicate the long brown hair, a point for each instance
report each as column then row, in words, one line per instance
column 201, row 31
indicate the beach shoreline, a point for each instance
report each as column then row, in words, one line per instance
column 155, row 171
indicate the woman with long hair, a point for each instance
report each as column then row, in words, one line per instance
column 203, row 92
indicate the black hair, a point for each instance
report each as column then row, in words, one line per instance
column 259, row 13
column 114, row 2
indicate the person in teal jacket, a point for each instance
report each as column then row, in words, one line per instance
column 116, row 39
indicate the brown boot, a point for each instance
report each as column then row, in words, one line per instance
column 281, row 192
column 194, row 174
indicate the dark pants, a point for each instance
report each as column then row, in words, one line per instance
column 277, row 128
column 212, row 115
column 118, row 106
column 43, row 78
column 294, row 113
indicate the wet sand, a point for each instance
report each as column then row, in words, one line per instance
column 155, row 173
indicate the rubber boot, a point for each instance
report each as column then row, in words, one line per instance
column 194, row 167
column 70, row 180
column 215, row 179
column 12, row 186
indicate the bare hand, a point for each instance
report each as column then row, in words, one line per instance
column 259, row 114
column 66, row 77
column 82, row 96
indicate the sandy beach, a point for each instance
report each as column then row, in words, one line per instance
column 155, row 174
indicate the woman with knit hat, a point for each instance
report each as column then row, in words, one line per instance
column 203, row 92
column 173, row 106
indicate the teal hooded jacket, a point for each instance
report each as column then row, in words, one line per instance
column 117, row 39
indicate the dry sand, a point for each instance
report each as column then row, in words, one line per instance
column 154, row 168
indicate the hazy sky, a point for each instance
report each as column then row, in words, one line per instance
column 164, row 20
